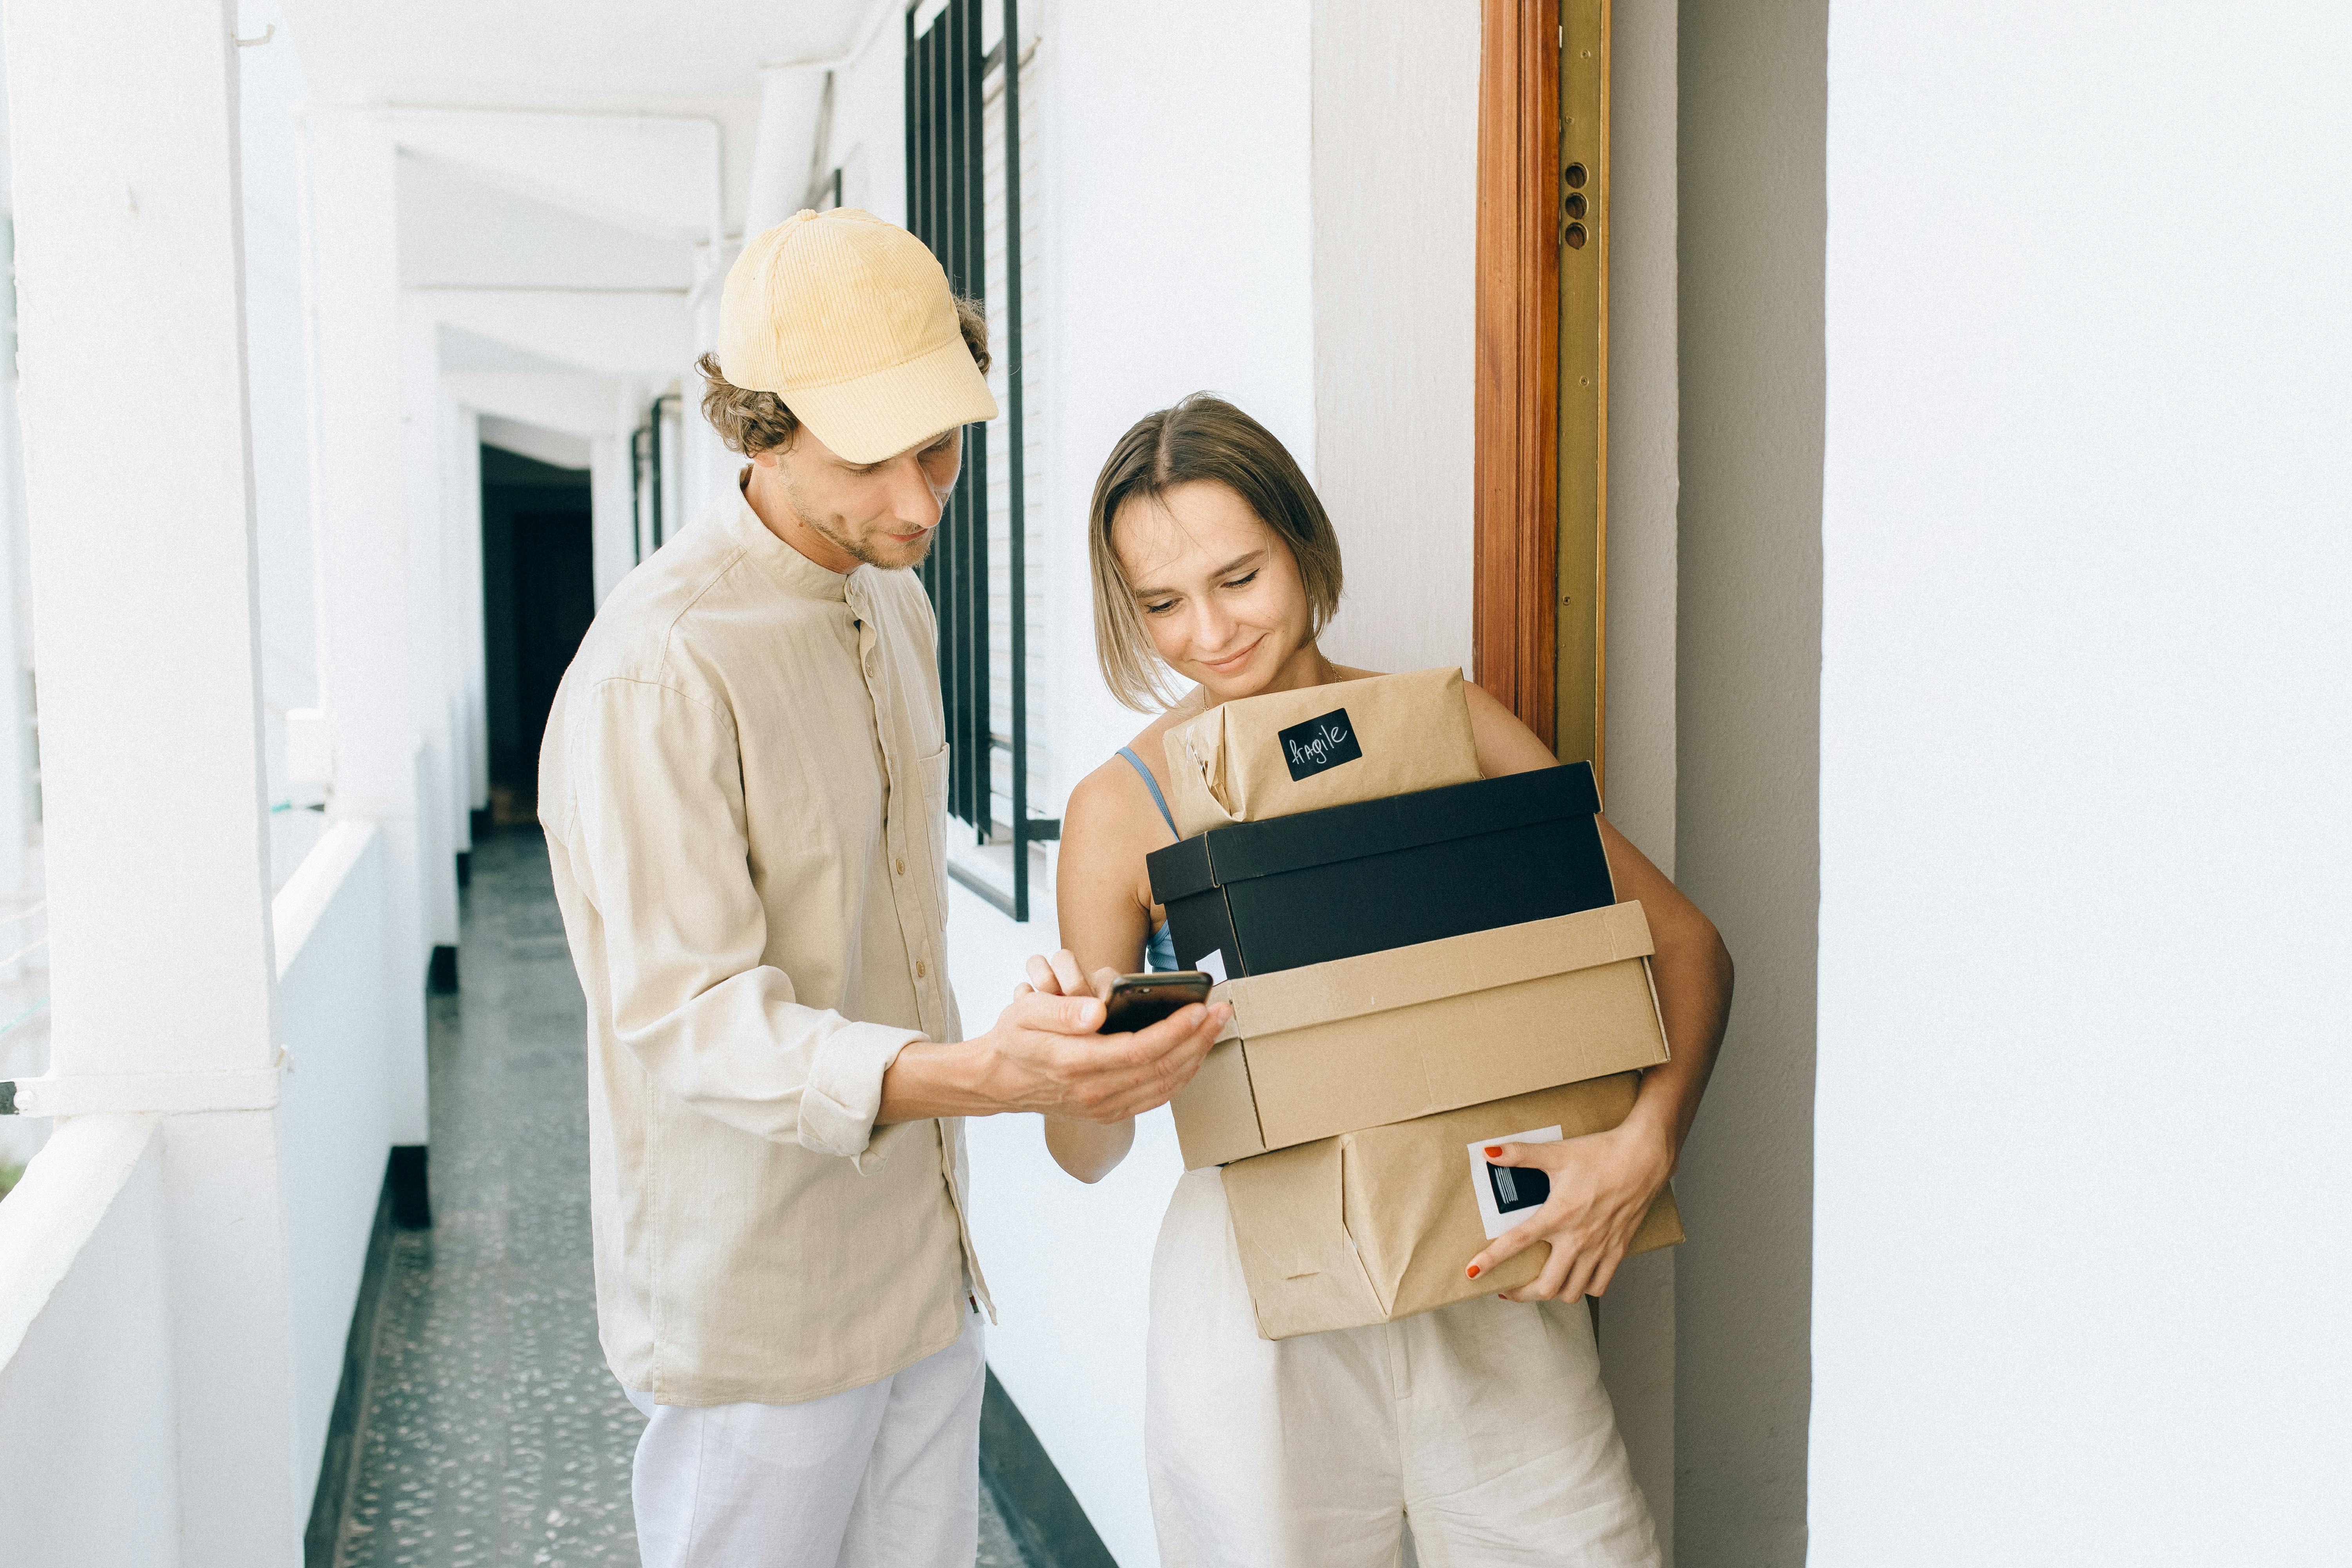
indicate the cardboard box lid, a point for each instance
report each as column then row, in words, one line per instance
column 1363, row 1042
column 1344, row 988
column 1224, row 856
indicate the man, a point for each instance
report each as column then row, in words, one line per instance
column 742, row 786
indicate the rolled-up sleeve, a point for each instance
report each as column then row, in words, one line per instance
column 660, row 826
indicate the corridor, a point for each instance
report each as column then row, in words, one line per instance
column 491, row 1432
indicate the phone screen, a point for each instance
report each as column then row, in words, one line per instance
column 1138, row 1001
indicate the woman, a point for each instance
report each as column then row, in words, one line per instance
column 1482, row 1427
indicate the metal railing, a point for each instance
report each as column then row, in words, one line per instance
column 946, row 207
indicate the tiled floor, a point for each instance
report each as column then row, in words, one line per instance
column 493, row 1435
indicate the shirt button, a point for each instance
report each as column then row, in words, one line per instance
column 902, row 864
column 920, row 971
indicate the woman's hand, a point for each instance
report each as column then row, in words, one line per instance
column 1601, row 1186
column 1088, row 1151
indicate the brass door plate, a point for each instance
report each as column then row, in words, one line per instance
column 1583, row 232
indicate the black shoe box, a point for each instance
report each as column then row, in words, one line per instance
column 1259, row 897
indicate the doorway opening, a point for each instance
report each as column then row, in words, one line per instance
column 538, row 594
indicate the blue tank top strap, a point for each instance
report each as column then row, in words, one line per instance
column 1159, row 951
column 1150, row 783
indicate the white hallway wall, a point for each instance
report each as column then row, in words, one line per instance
column 1224, row 197
column 1639, row 1323
column 2083, row 1179
column 1752, row 144
column 1746, row 672
column 1396, row 232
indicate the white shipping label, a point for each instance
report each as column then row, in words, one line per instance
column 1508, row 1193
column 1214, row 967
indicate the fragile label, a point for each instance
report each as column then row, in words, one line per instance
column 1508, row 1193
column 1318, row 745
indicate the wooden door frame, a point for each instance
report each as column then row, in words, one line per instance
column 1518, row 522
column 1517, row 483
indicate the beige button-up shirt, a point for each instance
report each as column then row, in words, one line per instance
column 743, row 785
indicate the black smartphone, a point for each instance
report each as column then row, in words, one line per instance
column 1138, row 1001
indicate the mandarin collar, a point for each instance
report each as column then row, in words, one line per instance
column 785, row 566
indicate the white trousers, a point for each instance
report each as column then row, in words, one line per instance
column 1481, row 1427
column 885, row 1476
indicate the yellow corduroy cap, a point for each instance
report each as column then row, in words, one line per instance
column 850, row 319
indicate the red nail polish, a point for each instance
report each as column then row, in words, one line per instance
column 1492, row 1149
column 1473, row 1271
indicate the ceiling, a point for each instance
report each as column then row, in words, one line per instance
column 541, row 54
column 458, row 230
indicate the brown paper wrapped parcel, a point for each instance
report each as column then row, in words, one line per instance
column 1258, row 758
column 1378, row 1225
column 1343, row 1097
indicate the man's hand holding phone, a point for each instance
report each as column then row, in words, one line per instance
column 1048, row 1054
column 1154, row 1031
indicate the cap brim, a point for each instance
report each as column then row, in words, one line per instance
column 871, row 417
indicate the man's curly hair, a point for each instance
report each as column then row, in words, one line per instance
column 754, row 422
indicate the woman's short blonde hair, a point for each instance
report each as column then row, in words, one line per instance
column 754, row 422
column 1203, row 438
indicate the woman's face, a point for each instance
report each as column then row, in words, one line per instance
column 1217, row 589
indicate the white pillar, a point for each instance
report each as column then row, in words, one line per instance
column 613, row 507
column 125, row 135
column 609, row 523
column 351, row 281
column 431, row 662
column 461, row 468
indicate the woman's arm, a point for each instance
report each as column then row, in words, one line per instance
column 1692, row 971
column 1604, row 1185
column 1103, row 926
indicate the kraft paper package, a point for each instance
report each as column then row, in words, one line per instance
column 1287, row 752
column 1388, row 1036
column 1381, row 1224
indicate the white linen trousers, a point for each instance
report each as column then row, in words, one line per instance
column 882, row 1476
column 1482, row 1427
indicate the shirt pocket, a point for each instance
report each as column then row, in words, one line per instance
column 932, row 771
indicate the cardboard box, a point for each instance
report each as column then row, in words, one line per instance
column 1289, row 751
column 1260, row 897
column 1381, row 1224
column 1389, row 1036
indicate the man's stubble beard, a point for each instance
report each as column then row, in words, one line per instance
column 830, row 530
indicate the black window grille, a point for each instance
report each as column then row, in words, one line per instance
column 946, row 207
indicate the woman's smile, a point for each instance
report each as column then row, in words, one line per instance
column 1231, row 665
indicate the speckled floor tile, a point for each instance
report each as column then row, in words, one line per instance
column 493, row 1435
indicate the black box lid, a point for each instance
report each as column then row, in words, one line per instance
column 1224, row 856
